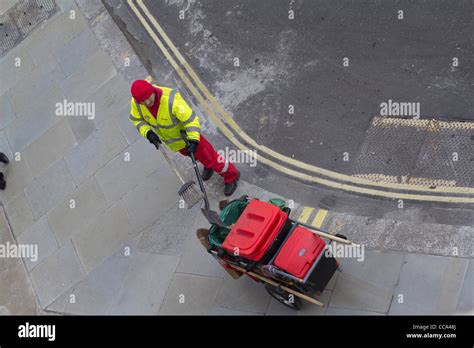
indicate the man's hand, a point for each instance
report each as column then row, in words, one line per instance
column 154, row 139
column 192, row 146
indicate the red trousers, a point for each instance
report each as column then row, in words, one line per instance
column 206, row 154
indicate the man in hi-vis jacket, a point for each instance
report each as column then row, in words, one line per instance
column 160, row 114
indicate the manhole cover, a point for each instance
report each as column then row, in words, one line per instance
column 21, row 19
column 419, row 152
column 28, row 14
column 10, row 36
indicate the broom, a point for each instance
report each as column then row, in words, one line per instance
column 189, row 191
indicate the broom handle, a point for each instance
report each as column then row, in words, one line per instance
column 163, row 151
column 327, row 235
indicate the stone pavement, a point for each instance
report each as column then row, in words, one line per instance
column 101, row 205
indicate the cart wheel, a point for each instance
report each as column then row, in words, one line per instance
column 284, row 297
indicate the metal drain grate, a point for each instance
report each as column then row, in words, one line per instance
column 418, row 152
column 21, row 19
column 389, row 151
column 10, row 36
column 446, row 155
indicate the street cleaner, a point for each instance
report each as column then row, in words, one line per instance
column 161, row 114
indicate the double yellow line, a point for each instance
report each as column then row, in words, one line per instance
column 223, row 121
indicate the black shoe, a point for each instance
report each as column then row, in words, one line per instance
column 3, row 183
column 230, row 188
column 3, row 158
column 207, row 173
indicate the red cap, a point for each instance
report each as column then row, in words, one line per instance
column 141, row 90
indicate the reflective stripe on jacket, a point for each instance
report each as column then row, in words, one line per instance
column 174, row 115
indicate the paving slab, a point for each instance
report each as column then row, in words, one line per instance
column 35, row 89
column 23, row 131
column 50, row 147
column 430, row 285
column 89, row 77
column 277, row 308
column 58, row 306
column 158, row 191
column 82, row 127
column 19, row 214
column 18, row 176
column 54, row 33
column 4, row 311
column 127, row 169
column 110, row 100
column 4, row 146
column 16, row 294
column 11, row 71
column 7, row 115
column 66, row 220
column 94, row 152
column 194, row 258
column 65, row 5
column 40, row 236
column 96, row 294
column 75, row 52
column 380, row 269
column 353, row 293
column 242, row 294
column 6, row 237
column 169, row 232
column 97, row 284
column 190, row 295
column 6, row 4
column 103, row 238
column 145, row 285
column 373, row 281
column 126, row 127
column 466, row 298
column 47, row 190
column 56, row 274
column 332, row 282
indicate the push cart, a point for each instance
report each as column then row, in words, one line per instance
column 290, row 258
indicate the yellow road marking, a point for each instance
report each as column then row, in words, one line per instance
column 305, row 214
column 231, row 137
column 319, row 218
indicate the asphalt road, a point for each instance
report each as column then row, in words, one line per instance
column 299, row 62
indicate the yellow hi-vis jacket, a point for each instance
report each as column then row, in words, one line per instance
column 174, row 115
